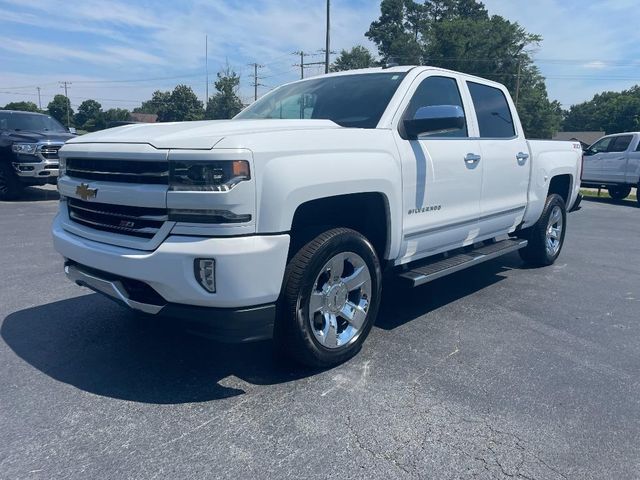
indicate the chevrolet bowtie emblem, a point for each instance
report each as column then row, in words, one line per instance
column 85, row 193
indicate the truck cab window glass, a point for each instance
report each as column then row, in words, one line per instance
column 437, row 91
column 492, row 110
column 349, row 100
column 620, row 144
column 600, row 146
column 29, row 122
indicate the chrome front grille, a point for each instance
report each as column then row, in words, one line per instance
column 127, row 171
column 50, row 152
column 141, row 222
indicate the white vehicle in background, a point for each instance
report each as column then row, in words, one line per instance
column 613, row 162
column 281, row 222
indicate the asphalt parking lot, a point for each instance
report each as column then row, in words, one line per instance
column 496, row 372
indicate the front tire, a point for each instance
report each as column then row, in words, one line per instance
column 330, row 299
column 619, row 192
column 546, row 237
column 10, row 186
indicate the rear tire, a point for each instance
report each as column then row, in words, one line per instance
column 10, row 186
column 619, row 192
column 330, row 299
column 546, row 237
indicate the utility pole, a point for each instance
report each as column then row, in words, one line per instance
column 327, row 49
column 255, row 83
column 39, row 100
column 206, row 69
column 303, row 65
column 66, row 85
column 518, row 81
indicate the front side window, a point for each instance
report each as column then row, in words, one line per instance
column 436, row 91
column 600, row 146
column 356, row 101
column 492, row 111
column 620, row 144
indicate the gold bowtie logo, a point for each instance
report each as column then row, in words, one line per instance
column 85, row 193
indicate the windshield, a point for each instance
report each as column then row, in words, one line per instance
column 33, row 123
column 348, row 100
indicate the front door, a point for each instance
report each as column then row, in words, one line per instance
column 592, row 170
column 614, row 161
column 442, row 176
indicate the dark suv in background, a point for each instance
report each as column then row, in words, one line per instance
column 29, row 144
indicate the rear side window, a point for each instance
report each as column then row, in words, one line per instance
column 434, row 91
column 492, row 110
column 620, row 144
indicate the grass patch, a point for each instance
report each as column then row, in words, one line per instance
column 593, row 192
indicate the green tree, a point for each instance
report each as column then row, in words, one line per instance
column 225, row 103
column 158, row 100
column 180, row 105
column 357, row 57
column 60, row 109
column 22, row 106
column 116, row 115
column 461, row 35
column 89, row 116
column 612, row 112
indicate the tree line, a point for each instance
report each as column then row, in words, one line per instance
column 453, row 34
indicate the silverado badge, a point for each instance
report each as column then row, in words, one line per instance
column 85, row 192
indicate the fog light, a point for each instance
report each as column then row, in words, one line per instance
column 205, row 270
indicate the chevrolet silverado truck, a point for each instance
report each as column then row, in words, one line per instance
column 29, row 144
column 613, row 162
column 283, row 221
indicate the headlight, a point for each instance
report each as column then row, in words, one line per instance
column 207, row 176
column 25, row 148
column 62, row 166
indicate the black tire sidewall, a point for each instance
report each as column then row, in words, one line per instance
column 619, row 193
column 317, row 354
column 552, row 201
column 12, row 182
column 535, row 253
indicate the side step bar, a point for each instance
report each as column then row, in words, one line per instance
column 433, row 269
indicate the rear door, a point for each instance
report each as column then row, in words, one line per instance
column 441, row 178
column 614, row 161
column 505, row 158
column 632, row 176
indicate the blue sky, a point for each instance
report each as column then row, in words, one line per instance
column 120, row 51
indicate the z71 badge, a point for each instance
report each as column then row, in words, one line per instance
column 431, row 208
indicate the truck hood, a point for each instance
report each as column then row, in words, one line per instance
column 196, row 135
column 27, row 136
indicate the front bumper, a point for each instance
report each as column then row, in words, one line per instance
column 233, row 325
column 249, row 269
column 46, row 170
column 249, row 273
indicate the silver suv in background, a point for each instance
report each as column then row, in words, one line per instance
column 613, row 162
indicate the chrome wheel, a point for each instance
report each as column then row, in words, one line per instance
column 339, row 300
column 554, row 231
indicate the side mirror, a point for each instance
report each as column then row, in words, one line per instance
column 72, row 130
column 435, row 120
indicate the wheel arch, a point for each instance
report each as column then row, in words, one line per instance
column 368, row 213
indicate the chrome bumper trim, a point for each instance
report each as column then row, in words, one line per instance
column 112, row 289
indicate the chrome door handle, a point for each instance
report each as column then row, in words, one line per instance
column 522, row 157
column 472, row 158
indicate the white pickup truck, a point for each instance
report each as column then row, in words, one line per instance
column 613, row 162
column 281, row 222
